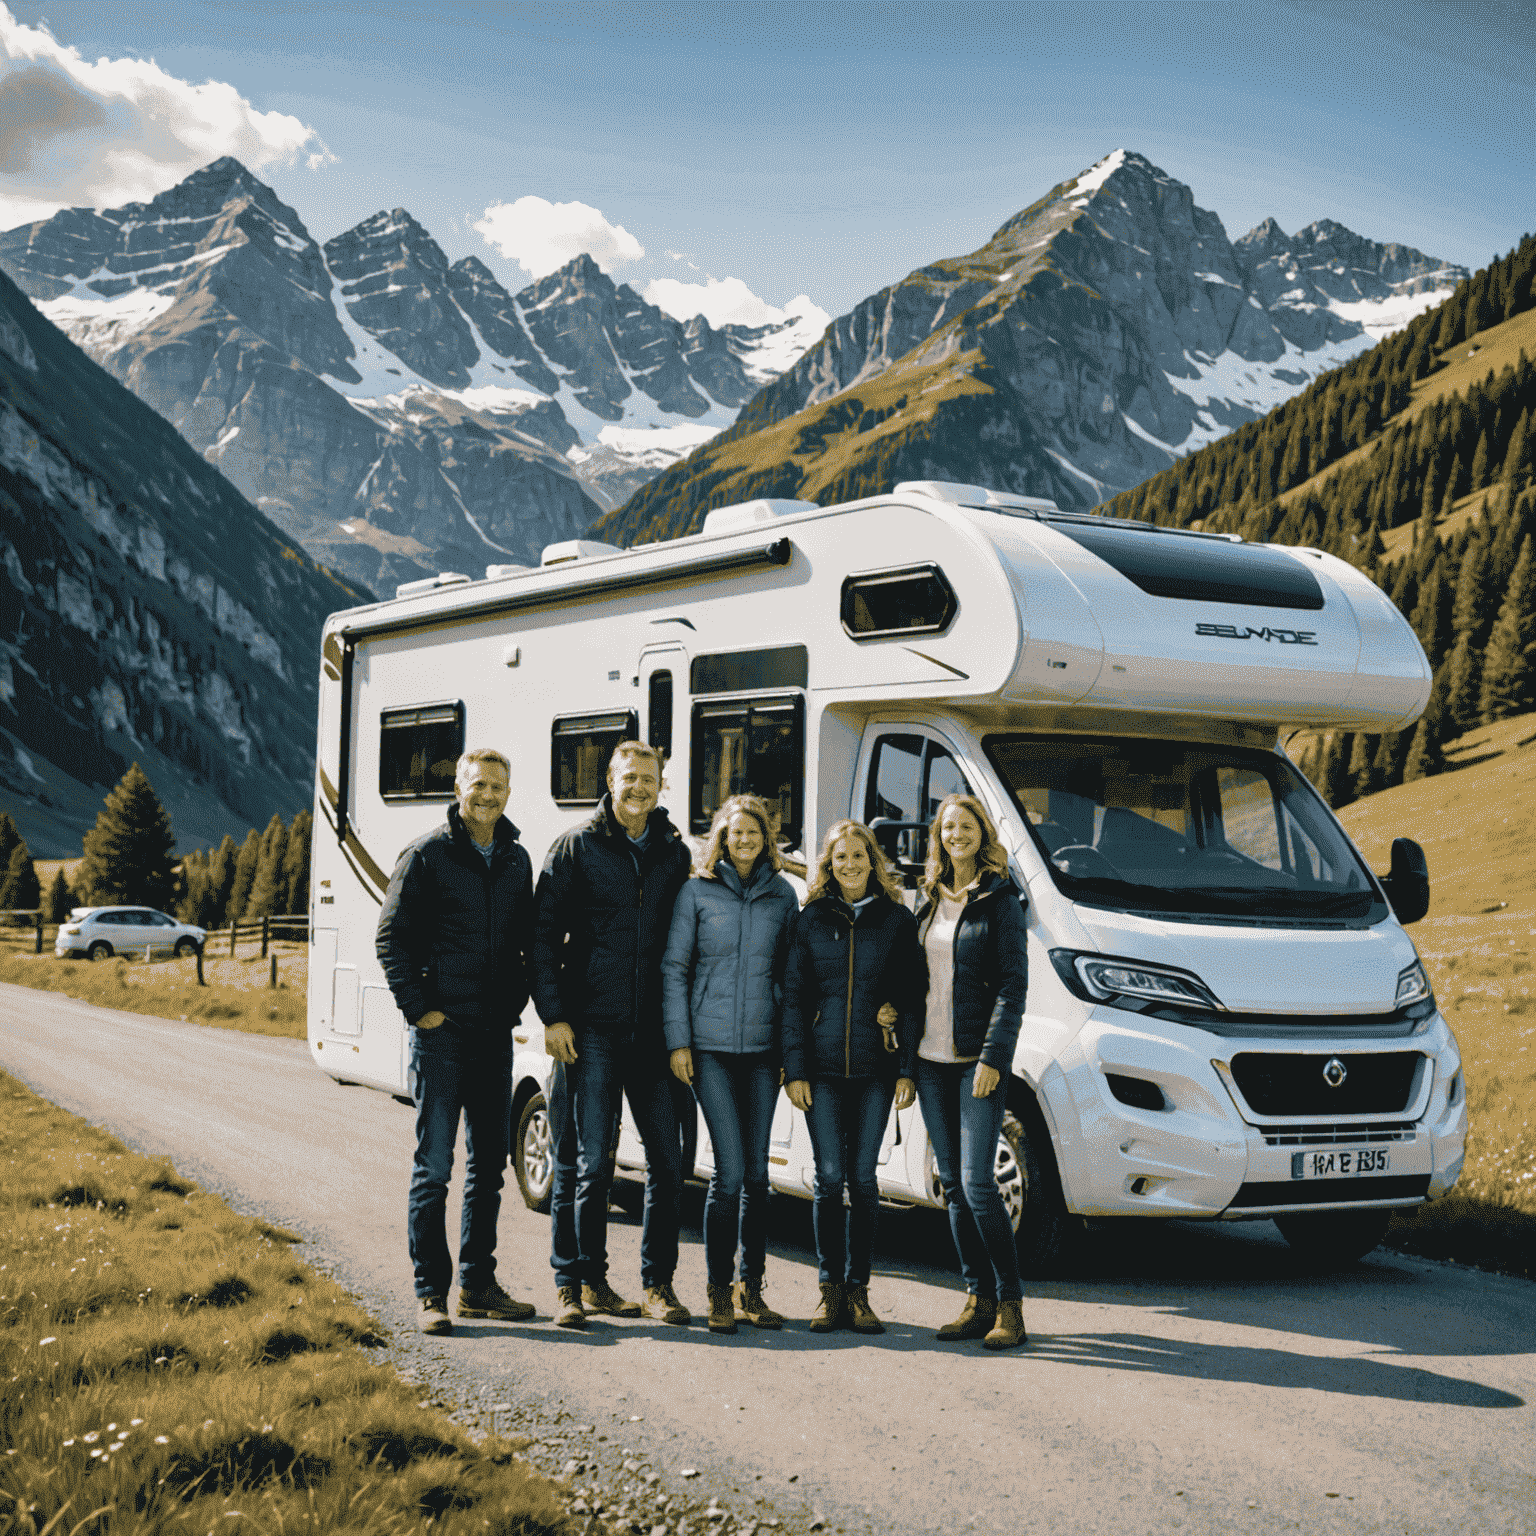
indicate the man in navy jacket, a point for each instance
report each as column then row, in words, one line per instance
column 453, row 938
column 605, row 904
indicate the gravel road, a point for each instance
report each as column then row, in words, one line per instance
column 1191, row 1378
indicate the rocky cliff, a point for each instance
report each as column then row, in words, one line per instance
column 147, row 610
column 1101, row 333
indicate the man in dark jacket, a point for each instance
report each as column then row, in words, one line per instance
column 452, row 939
column 604, row 910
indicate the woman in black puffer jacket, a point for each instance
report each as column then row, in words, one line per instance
column 854, row 950
column 972, row 927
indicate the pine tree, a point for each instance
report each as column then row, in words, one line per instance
column 10, row 836
column 59, row 900
column 1476, row 605
column 1336, row 786
column 267, row 887
column 296, row 865
column 1425, row 753
column 1519, row 455
column 221, row 881
column 192, row 906
column 1386, row 766
column 1362, row 771
column 1509, row 669
column 19, row 890
column 1480, row 464
column 130, row 850
column 1432, row 617
column 245, row 876
column 1464, row 686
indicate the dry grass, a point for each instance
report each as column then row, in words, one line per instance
column 237, row 995
column 169, row 1366
column 1478, row 942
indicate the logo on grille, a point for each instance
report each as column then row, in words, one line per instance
column 1334, row 1072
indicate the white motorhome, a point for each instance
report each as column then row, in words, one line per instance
column 1226, row 1018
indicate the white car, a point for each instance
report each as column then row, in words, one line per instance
column 101, row 932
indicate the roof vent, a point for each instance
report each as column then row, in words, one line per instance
column 745, row 514
column 429, row 583
column 576, row 549
column 496, row 572
column 974, row 496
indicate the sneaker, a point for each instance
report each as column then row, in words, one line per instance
column 722, row 1316
column 830, row 1315
column 751, row 1308
column 662, row 1304
column 432, row 1314
column 860, row 1313
column 570, row 1313
column 493, row 1302
column 603, row 1298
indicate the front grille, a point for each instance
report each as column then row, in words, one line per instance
column 1285, row 1084
column 1411, row 1186
column 1340, row 1135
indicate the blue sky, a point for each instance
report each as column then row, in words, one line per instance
column 830, row 148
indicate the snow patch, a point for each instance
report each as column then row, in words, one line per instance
column 1146, row 436
column 93, row 322
column 656, row 446
column 1381, row 317
column 1216, row 277
column 1096, row 176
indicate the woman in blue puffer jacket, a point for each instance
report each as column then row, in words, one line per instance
column 722, row 980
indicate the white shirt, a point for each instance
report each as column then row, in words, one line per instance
column 938, row 1042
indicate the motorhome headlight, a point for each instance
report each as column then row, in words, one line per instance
column 1413, row 985
column 1111, row 978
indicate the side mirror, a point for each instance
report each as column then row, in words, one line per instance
column 1407, row 886
column 902, row 843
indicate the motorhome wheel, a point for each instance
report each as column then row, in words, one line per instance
column 534, row 1154
column 1048, row 1233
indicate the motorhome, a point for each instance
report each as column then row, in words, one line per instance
column 1226, row 1018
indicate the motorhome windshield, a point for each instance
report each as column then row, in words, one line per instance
column 1178, row 830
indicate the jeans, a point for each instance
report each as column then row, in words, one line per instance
column 964, row 1132
column 583, row 1116
column 847, row 1121
column 454, row 1074
column 736, row 1093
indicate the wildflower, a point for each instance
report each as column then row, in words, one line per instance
column 52, row 1338
column 162, row 1439
column 135, row 1422
column 91, row 1437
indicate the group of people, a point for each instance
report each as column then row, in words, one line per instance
column 652, row 969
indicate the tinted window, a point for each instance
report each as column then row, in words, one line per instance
column 418, row 749
column 659, row 730
column 782, row 666
column 914, row 600
column 579, row 751
column 750, row 745
column 909, row 777
column 1200, row 570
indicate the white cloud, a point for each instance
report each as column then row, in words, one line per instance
column 73, row 133
column 722, row 301
column 541, row 236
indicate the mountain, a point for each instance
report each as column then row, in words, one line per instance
column 1105, row 331
column 147, row 610
column 395, row 414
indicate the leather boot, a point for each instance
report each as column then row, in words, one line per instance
column 1008, row 1331
column 976, row 1317
column 751, row 1308
column 722, row 1315
column 570, row 1313
column 860, row 1313
column 829, row 1316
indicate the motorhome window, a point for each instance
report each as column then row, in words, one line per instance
column 752, row 746
column 1200, row 570
column 659, row 713
column 580, row 746
column 418, row 749
column 914, row 600
column 1182, row 830
column 909, row 777
column 780, row 666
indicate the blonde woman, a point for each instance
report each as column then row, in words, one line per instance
column 855, row 947
column 722, row 978
column 971, row 923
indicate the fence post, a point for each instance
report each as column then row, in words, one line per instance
column 266, row 933
column 234, row 928
column 39, row 948
column 273, row 982
column 200, row 980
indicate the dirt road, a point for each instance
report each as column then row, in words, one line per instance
column 1191, row 1379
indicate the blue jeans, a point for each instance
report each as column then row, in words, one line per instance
column 454, row 1074
column 583, row 1116
column 847, row 1121
column 736, row 1093
column 964, row 1132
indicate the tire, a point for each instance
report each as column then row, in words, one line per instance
column 1049, row 1235
column 100, row 950
column 533, row 1154
column 185, row 947
column 1334, row 1239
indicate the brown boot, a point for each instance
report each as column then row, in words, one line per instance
column 830, row 1315
column 751, row 1308
column 570, row 1313
column 722, row 1316
column 860, row 1313
column 603, row 1298
column 1008, row 1331
column 976, row 1317
column 661, row 1303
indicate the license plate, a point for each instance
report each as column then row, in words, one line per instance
column 1339, row 1164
